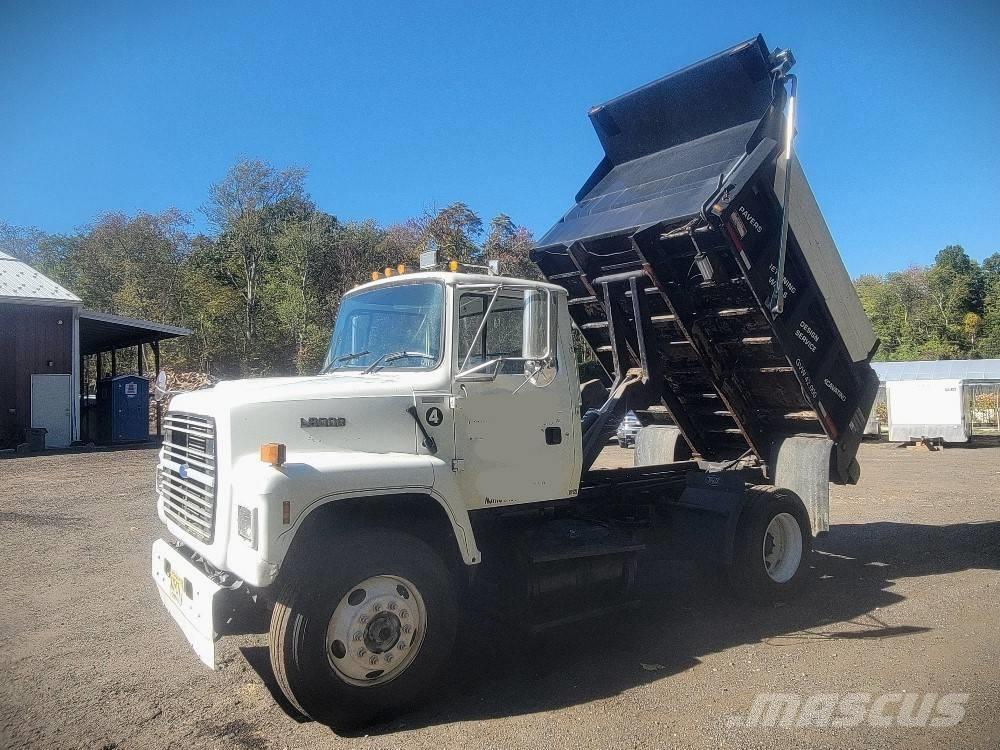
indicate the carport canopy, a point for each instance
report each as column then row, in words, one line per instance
column 103, row 332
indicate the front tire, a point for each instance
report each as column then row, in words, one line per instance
column 772, row 546
column 367, row 630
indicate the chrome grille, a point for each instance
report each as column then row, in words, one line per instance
column 187, row 473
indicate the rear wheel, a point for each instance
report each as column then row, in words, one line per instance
column 368, row 631
column 772, row 546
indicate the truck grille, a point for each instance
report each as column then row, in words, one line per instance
column 187, row 473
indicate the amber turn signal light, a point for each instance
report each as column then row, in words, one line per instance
column 273, row 453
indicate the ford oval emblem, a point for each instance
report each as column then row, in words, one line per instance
column 183, row 471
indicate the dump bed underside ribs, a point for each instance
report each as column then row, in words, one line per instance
column 675, row 251
column 715, row 367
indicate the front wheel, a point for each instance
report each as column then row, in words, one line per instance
column 366, row 632
column 772, row 545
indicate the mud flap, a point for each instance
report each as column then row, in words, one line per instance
column 802, row 465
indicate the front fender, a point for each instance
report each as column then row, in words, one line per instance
column 309, row 480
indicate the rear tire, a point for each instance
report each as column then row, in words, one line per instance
column 367, row 629
column 772, row 546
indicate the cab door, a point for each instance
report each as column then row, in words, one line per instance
column 510, row 430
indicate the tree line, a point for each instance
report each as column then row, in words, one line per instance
column 260, row 291
column 948, row 310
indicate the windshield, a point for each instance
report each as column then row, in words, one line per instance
column 381, row 323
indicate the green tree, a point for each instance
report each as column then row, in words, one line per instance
column 306, row 248
column 886, row 311
column 510, row 244
column 988, row 343
column 455, row 229
column 249, row 207
column 954, row 284
column 21, row 242
column 211, row 309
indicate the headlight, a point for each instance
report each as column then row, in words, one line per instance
column 246, row 524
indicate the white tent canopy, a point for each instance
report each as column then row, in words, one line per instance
column 968, row 370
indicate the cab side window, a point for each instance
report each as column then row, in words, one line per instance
column 502, row 332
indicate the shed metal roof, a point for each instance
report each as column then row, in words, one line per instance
column 101, row 332
column 20, row 283
column 943, row 369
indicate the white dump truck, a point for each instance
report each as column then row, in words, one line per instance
column 442, row 457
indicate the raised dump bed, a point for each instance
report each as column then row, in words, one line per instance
column 671, row 254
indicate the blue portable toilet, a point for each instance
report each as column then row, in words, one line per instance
column 123, row 409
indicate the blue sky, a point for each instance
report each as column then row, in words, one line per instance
column 398, row 107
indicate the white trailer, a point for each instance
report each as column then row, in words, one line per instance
column 934, row 409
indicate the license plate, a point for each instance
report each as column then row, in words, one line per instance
column 176, row 587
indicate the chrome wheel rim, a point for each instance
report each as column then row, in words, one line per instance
column 782, row 548
column 376, row 630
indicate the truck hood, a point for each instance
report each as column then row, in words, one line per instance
column 337, row 412
column 228, row 394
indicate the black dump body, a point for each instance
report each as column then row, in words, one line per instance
column 694, row 165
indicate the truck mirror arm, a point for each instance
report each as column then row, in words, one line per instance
column 538, row 366
column 482, row 325
column 494, row 363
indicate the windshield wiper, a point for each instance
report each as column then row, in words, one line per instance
column 344, row 358
column 392, row 357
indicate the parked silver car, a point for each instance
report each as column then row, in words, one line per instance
column 627, row 430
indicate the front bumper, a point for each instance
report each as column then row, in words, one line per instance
column 189, row 596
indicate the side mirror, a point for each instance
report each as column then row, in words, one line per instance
column 537, row 344
column 160, row 391
column 536, row 329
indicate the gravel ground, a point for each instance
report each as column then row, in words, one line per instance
column 905, row 599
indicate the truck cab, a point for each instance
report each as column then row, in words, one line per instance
column 460, row 388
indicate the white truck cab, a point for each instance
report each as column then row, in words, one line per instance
column 453, row 389
column 430, row 386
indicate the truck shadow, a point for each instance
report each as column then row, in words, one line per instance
column 684, row 617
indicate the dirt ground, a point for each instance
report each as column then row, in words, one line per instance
column 905, row 599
